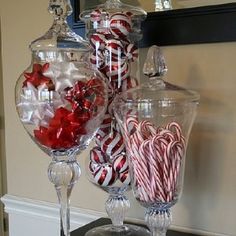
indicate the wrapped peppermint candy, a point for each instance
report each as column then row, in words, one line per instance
column 113, row 30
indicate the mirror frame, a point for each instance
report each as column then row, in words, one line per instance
column 208, row 24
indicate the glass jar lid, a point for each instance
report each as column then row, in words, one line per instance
column 113, row 6
column 119, row 18
column 59, row 36
column 157, row 90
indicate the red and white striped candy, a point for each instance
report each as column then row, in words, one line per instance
column 125, row 177
column 105, row 129
column 97, row 156
column 114, row 49
column 98, row 41
column 120, row 25
column 117, row 72
column 177, row 130
column 113, row 144
column 146, row 129
column 106, row 32
column 156, row 158
column 95, row 15
column 131, row 123
column 129, row 83
column 106, row 123
column 105, row 175
column 120, row 163
column 97, row 59
column 131, row 52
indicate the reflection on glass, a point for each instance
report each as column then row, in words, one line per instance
column 161, row 5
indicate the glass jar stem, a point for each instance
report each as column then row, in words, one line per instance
column 64, row 172
column 116, row 207
column 158, row 221
column 63, row 194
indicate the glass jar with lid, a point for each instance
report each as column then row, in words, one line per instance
column 61, row 101
column 156, row 120
column 114, row 31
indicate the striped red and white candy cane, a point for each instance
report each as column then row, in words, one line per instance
column 178, row 131
column 146, row 129
column 157, row 155
column 153, row 166
column 141, row 169
column 131, row 124
column 173, row 151
column 142, row 162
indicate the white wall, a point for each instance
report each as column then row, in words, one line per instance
column 209, row 192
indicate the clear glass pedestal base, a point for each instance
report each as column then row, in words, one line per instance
column 125, row 230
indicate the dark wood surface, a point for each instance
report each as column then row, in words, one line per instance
column 103, row 221
column 208, row 24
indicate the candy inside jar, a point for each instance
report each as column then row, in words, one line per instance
column 110, row 174
column 114, row 29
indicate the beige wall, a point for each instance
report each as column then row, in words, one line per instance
column 2, row 144
column 209, row 192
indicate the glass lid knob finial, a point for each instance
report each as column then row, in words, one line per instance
column 60, row 9
column 155, row 64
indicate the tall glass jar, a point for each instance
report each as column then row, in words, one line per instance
column 156, row 119
column 61, row 101
column 114, row 30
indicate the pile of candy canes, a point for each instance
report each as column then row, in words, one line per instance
column 58, row 105
column 156, row 156
column 113, row 53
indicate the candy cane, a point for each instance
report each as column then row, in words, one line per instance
column 156, row 155
column 146, row 129
column 142, row 168
column 156, row 159
column 131, row 124
column 155, row 177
